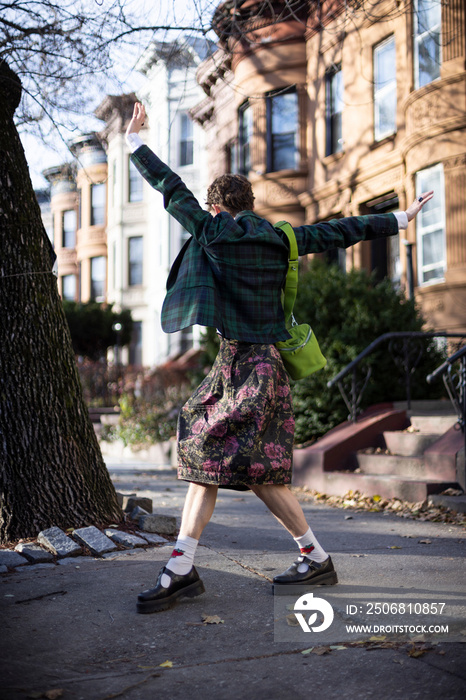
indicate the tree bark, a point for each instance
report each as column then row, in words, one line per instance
column 51, row 467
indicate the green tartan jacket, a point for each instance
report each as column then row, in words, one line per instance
column 231, row 272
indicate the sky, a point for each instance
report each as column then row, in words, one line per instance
column 42, row 154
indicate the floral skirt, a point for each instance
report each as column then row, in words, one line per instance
column 237, row 428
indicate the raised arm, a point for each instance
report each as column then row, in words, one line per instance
column 178, row 200
column 342, row 233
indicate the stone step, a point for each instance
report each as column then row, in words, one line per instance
column 412, row 467
column 438, row 424
column 385, row 485
column 408, row 444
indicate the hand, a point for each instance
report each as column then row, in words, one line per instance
column 418, row 203
column 137, row 120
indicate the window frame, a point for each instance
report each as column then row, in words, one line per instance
column 272, row 136
column 245, row 125
column 93, row 208
column 185, row 145
column 333, row 145
column 66, row 232
column 134, row 176
column 421, row 231
column 93, row 280
column 381, row 93
column 138, row 265
column 419, row 36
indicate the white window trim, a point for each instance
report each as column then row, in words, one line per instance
column 428, row 229
column 417, row 38
column 380, row 93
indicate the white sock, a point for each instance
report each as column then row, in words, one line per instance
column 310, row 547
column 182, row 558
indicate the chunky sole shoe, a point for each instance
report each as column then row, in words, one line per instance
column 159, row 598
column 317, row 574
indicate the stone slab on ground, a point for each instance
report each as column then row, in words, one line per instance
column 137, row 512
column 125, row 538
column 454, row 503
column 57, row 542
column 121, row 497
column 153, row 539
column 34, row 553
column 132, row 502
column 94, row 539
column 44, row 565
column 156, row 522
column 11, row 559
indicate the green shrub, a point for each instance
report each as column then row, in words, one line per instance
column 348, row 311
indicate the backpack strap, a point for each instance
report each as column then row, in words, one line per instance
column 291, row 283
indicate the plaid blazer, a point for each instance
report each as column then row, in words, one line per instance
column 231, row 272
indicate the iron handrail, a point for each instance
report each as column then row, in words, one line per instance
column 357, row 390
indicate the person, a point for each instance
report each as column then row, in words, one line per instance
column 236, row 431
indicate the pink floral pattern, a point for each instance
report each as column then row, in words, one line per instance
column 237, row 428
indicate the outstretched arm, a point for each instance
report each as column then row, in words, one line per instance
column 342, row 233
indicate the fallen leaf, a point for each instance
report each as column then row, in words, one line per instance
column 337, row 647
column 416, row 653
column 398, row 661
column 307, row 651
column 291, row 621
column 320, row 651
column 147, row 668
column 166, row 664
column 377, row 639
column 211, row 619
column 425, row 541
column 376, row 499
column 53, row 694
column 394, row 546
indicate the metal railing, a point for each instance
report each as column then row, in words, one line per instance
column 406, row 349
column 454, row 378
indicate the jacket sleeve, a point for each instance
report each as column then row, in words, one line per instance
column 178, row 200
column 342, row 233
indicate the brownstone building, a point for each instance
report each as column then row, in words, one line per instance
column 333, row 110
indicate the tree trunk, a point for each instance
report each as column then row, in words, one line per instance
column 52, row 471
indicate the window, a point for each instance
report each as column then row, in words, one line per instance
column 384, row 89
column 430, row 226
column 245, row 136
column 186, row 140
column 69, row 222
column 98, row 202
column 98, row 278
column 68, row 287
column 282, row 130
column 427, row 34
column 135, row 346
column 135, row 248
column 134, row 183
column 334, row 111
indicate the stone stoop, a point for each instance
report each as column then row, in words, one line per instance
column 412, row 460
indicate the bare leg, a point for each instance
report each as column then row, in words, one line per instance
column 198, row 508
column 285, row 507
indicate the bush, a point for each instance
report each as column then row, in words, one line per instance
column 91, row 327
column 348, row 311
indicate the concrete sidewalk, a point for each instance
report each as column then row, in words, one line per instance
column 74, row 627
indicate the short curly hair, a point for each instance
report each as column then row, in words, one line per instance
column 232, row 193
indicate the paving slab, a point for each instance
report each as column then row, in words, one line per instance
column 34, row 553
column 95, row 540
column 12, row 559
column 57, row 542
column 125, row 538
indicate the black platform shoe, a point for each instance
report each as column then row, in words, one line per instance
column 318, row 574
column 161, row 598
